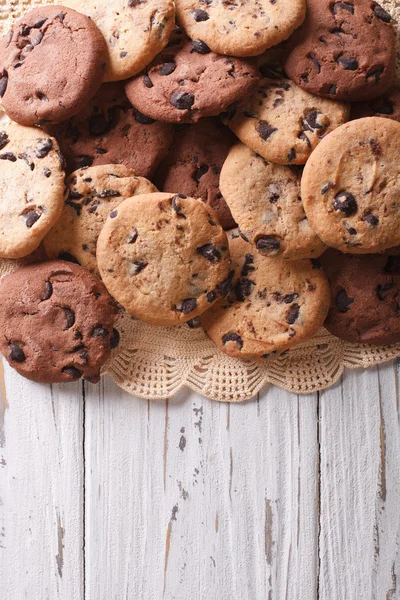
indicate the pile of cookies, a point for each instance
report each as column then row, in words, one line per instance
column 230, row 165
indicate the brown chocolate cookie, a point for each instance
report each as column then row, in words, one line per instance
column 365, row 296
column 194, row 163
column 387, row 106
column 56, row 322
column 344, row 50
column 110, row 131
column 51, row 64
column 187, row 81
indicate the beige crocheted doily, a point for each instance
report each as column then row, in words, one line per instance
column 156, row 362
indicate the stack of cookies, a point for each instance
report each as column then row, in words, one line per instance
column 231, row 166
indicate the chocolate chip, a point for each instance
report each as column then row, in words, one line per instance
column 46, row 172
column 200, row 47
column 48, row 291
column 23, row 156
column 211, row 296
column 147, row 81
column 193, row 323
column 187, row 306
column 63, row 162
column 98, row 125
column 84, row 356
column 302, row 136
column 242, row 235
column 291, row 155
column 332, row 90
column 225, row 287
column 99, row 332
column 114, row 339
column 351, row 231
column 176, row 205
column 123, row 54
column 200, row 172
column 131, row 239
column 382, row 290
column 375, row 72
column 233, row 337
column 200, row 15
column 70, row 316
column 72, row 372
column 167, row 68
column 375, row 147
column 342, row 5
column 182, row 100
column 348, row 64
column 113, row 214
column 68, row 257
column 343, row 301
column 3, row 85
column 31, row 217
column 315, row 62
column 326, row 188
column 138, row 266
column 382, row 106
column 371, row 219
column 393, row 265
column 381, row 14
column 312, row 119
column 293, row 314
column 248, row 265
column 346, row 203
column 265, row 130
column 210, row 252
column 289, row 298
column 4, row 139
column 243, row 288
column 141, row 118
column 8, row 156
column 39, row 23
column 43, row 147
column 267, row 244
column 16, row 353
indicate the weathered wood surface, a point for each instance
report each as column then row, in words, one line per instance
column 109, row 497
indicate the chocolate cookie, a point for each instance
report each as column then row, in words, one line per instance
column 56, row 322
column 240, row 28
column 134, row 31
column 31, row 188
column 386, row 106
column 343, row 50
column 283, row 123
column 351, row 186
column 51, row 64
column 164, row 257
column 187, row 81
column 93, row 193
column 109, row 130
column 274, row 304
column 365, row 296
column 194, row 163
column 265, row 201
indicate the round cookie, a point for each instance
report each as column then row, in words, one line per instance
column 265, row 201
column 164, row 258
column 274, row 304
column 187, row 82
column 283, row 123
column 387, row 106
column 344, row 50
column 134, row 31
column 51, row 64
column 365, row 296
column 351, row 186
column 109, row 130
column 31, row 188
column 93, row 193
column 194, row 163
column 242, row 28
column 56, row 322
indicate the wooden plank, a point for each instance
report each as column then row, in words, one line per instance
column 360, row 487
column 41, row 484
column 189, row 498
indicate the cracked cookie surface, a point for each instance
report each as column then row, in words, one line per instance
column 92, row 194
column 274, row 304
column 351, row 186
column 31, row 188
column 266, row 204
column 56, row 322
column 283, row 123
column 164, row 258
column 51, row 64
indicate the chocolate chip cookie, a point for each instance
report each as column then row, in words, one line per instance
column 51, row 64
column 274, row 304
column 188, row 81
column 351, row 186
column 343, row 50
column 109, row 130
column 56, row 322
column 265, row 201
column 387, row 106
column 365, row 296
column 134, row 31
column 93, row 193
column 283, row 123
column 31, row 188
column 240, row 28
column 194, row 163
column 164, row 257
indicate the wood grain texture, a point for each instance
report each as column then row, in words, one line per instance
column 107, row 496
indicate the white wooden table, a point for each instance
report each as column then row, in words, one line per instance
column 104, row 496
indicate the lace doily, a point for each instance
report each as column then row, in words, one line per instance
column 156, row 362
